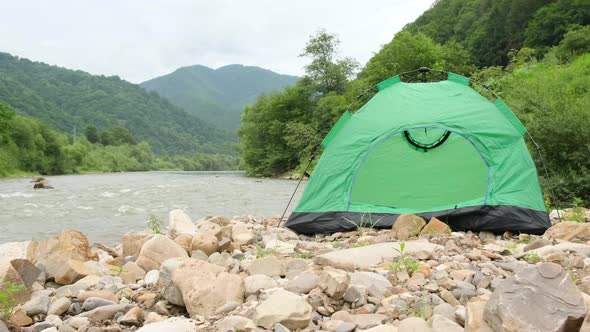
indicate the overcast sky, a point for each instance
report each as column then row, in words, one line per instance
column 142, row 39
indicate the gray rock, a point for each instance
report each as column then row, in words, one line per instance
column 375, row 283
column 334, row 282
column 3, row 327
column 168, row 289
column 38, row 304
column 303, row 283
column 554, row 302
column 339, row 326
column 538, row 243
column 174, row 324
column 257, row 282
column 414, row 324
column 363, row 321
column 228, row 307
column 464, row 290
column 381, row 328
column 75, row 309
column 443, row 324
column 77, row 322
column 106, row 312
column 66, row 328
column 92, row 303
column 232, row 323
column 460, row 315
column 283, row 307
column 152, row 277
column 268, row 265
column 281, row 328
column 356, row 295
column 41, row 326
column 59, row 306
column 374, row 254
column 446, row 310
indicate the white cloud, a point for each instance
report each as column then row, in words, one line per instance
column 142, row 39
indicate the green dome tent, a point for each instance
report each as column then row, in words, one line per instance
column 435, row 149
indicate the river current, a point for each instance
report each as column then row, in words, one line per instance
column 106, row 206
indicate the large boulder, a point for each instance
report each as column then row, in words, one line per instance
column 569, row 231
column 286, row 308
column 59, row 256
column 536, row 298
column 180, row 223
column 158, row 249
column 167, row 288
column 406, row 226
column 206, row 287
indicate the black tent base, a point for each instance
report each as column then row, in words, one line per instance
column 491, row 218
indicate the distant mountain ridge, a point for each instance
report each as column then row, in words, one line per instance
column 68, row 99
column 218, row 95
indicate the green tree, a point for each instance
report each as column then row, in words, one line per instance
column 576, row 42
column 551, row 22
column 91, row 134
column 325, row 71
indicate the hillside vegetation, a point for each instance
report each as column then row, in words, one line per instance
column 217, row 95
column 547, row 86
column 30, row 146
column 489, row 29
column 67, row 99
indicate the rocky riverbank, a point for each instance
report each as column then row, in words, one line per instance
column 247, row 274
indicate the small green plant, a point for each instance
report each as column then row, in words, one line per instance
column 154, row 224
column 360, row 243
column 8, row 298
column 262, row 252
column 363, row 224
column 524, row 241
column 404, row 262
column 577, row 212
column 117, row 271
column 572, row 276
column 421, row 309
column 532, row 258
column 304, row 254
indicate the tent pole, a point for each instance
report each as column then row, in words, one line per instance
column 299, row 183
column 551, row 193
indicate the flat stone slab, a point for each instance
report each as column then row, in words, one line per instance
column 362, row 257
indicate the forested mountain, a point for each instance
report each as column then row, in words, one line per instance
column 489, row 29
column 218, row 95
column 68, row 99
